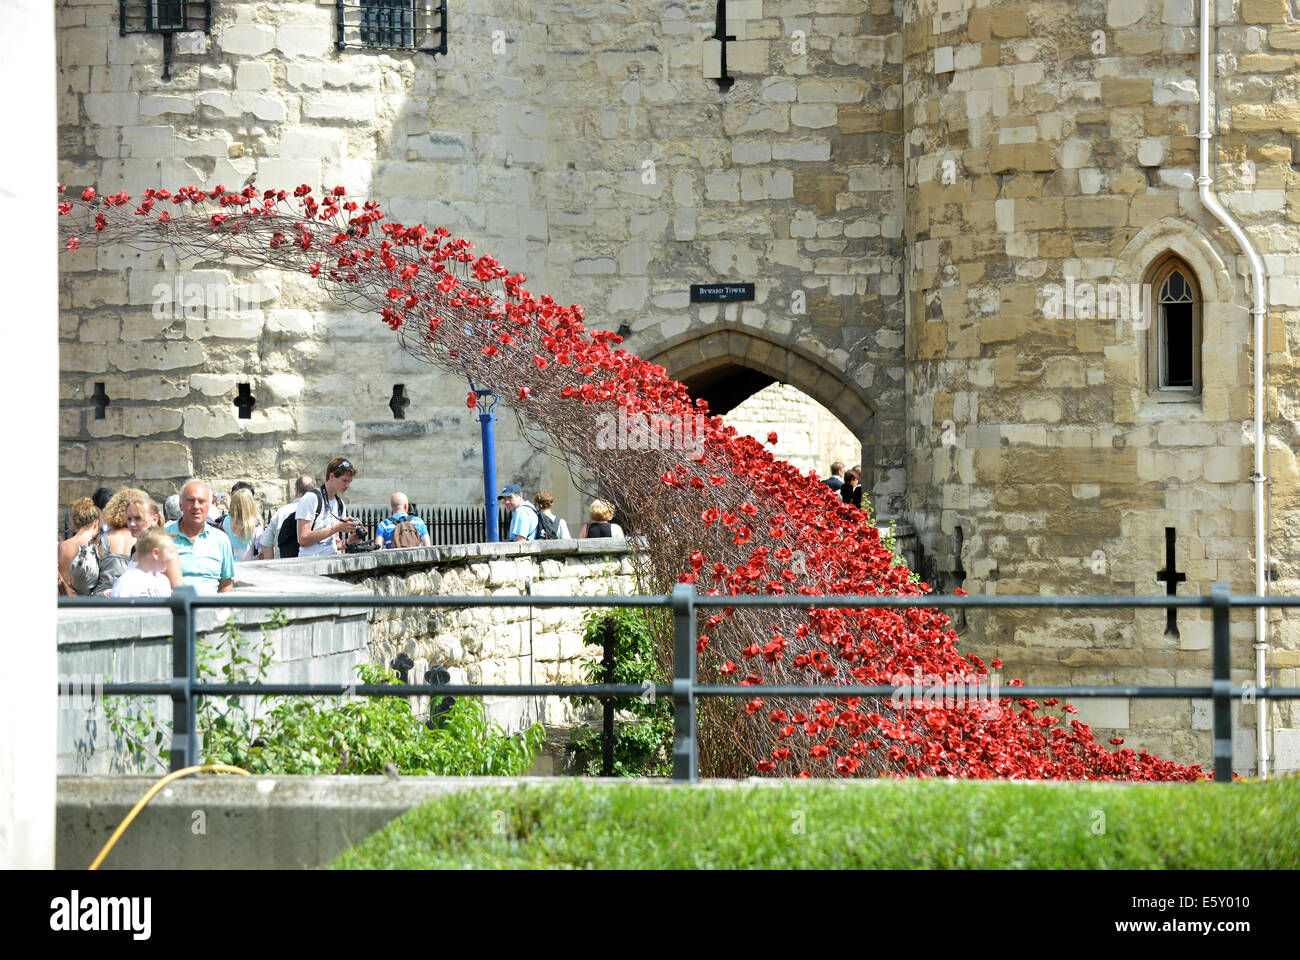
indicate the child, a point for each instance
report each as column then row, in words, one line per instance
column 145, row 576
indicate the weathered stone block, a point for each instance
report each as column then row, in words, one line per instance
column 1263, row 11
column 155, row 356
column 246, row 39
column 112, row 109
column 226, row 324
column 1126, row 91
column 203, row 422
column 112, row 460
column 336, row 107
column 302, row 38
column 134, row 422
column 84, row 358
column 1009, row 22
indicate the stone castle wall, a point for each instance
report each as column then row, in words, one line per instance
column 1042, row 458
column 580, row 143
column 808, row 435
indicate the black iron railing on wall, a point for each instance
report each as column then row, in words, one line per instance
column 685, row 603
column 449, row 524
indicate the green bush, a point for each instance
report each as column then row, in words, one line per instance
column 302, row 735
column 641, row 748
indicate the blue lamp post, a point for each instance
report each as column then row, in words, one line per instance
column 487, row 401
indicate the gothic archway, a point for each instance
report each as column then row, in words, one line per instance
column 726, row 365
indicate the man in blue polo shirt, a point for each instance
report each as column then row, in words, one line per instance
column 207, row 559
column 523, row 522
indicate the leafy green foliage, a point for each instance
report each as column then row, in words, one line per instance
column 302, row 735
column 641, row 748
column 912, row 824
column 890, row 540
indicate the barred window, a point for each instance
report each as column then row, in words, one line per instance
column 163, row 16
column 387, row 23
column 419, row 25
column 166, row 18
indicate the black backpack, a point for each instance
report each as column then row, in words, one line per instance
column 548, row 528
column 287, row 538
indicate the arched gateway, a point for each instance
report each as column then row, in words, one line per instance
column 726, row 365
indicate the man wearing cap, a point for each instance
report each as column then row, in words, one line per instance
column 523, row 523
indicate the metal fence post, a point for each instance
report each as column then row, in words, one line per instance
column 1222, row 684
column 685, row 760
column 185, row 739
column 608, row 703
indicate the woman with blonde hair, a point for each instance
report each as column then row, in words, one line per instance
column 125, row 516
column 243, row 525
column 601, row 514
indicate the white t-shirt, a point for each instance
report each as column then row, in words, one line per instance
column 134, row 582
column 332, row 513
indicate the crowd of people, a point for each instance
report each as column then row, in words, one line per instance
column 124, row 545
column 537, row 521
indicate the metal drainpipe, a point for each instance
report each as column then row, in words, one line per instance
column 1260, row 310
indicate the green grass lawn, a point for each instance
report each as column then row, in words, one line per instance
column 916, row 823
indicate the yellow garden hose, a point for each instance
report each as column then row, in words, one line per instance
column 175, row 775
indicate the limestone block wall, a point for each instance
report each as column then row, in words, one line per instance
column 458, row 143
column 808, row 435
column 790, row 180
column 317, row 646
column 583, row 144
column 902, row 182
column 1053, row 141
column 499, row 645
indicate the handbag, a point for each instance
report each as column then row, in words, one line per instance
column 84, row 572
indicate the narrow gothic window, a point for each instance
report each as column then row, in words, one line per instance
column 1175, row 355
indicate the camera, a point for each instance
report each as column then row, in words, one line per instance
column 364, row 542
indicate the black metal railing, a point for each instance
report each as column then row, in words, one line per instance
column 449, row 524
column 684, row 603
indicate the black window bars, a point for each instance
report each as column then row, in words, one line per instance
column 685, row 603
column 165, row 17
column 418, row 25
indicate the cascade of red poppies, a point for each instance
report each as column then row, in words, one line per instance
column 716, row 509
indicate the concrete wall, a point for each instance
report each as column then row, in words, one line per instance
column 222, row 822
column 324, row 644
